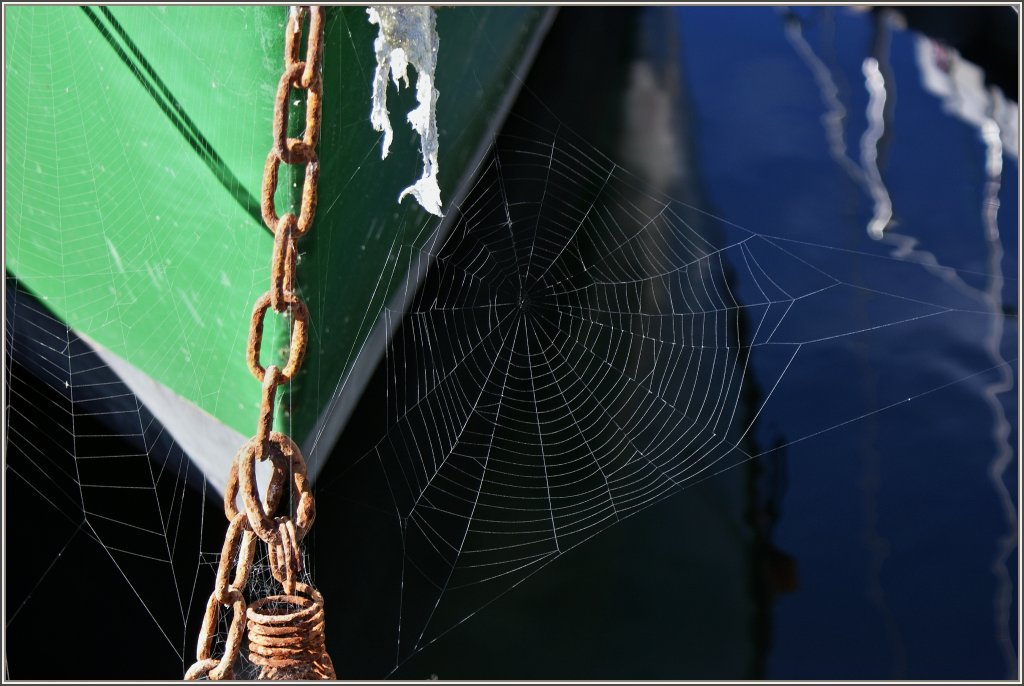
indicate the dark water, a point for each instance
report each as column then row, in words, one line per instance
column 896, row 521
column 882, row 547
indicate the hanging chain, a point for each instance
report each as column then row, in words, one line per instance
column 285, row 632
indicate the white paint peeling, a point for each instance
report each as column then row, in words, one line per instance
column 408, row 36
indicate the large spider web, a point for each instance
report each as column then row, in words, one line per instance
column 582, row 350
column 583, row 347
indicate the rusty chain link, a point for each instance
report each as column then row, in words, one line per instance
column 239, row 541
column 286, row 632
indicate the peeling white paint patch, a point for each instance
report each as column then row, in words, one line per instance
column 408, row 35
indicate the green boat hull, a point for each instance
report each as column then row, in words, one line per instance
column 136, row 141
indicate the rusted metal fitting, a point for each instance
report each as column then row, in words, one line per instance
column 285, row 555
column 274, row 489
column 265, row 425
column 305, row 154
column 297, row 347
column 239, row 541
column 283, row 262
column 287, row 459
column 286, row 636
column 205, row 665
column 314, row 43
column 202, row 668
column 287, row 639
column 280, row 123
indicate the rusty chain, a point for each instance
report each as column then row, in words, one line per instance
column 285, row 632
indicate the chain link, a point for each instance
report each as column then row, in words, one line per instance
column 299, row 338
column 283, row 263
column 280, row 649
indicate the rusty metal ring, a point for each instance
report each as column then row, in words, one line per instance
column 314, row 106
column 286, row 562
column 268, row 634
column 286, row 457
column 297, row 347
column 234, row 544
column 300, row 151
column 274, row 489
column 265, row 423
column 283, row 262
column 314, row 109
column 285, row 557
column 302, row 639
column 285, row 630
column 219, row 669
column 245, row 555
column 314, row 46
column 276, row 656
column 201, row 668
column 293, row 35
column 281, row 105
column 308, row 598
column 291, row 639
column 204, row 648
column 234, row 641
column 314, row 43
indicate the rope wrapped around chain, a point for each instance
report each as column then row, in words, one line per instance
column 285, row 632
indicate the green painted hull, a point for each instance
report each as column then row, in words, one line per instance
column 135, row 145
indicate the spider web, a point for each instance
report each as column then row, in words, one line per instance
column 583, row 348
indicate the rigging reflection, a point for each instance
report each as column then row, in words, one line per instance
column 965, row 93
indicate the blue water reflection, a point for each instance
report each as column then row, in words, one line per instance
column 898, row 519
column 858, row 189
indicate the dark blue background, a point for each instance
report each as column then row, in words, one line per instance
column 894, row 519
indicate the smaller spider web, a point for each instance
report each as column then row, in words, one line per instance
column 89, row 461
